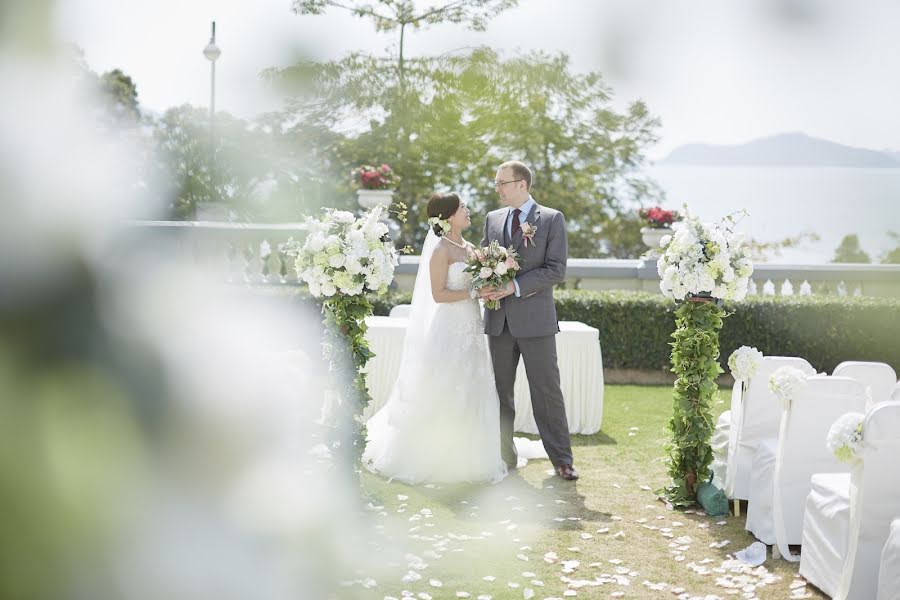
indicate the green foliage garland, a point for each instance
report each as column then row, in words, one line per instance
column 347, row 351
column 695, row 354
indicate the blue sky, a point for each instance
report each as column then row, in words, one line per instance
column 717, row 72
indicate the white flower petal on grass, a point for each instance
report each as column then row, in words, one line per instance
column 484, row 597
column 435, row 583
column 574, row 549
column 551, row 557
column 522, row 557
column 527, row 574
column 463, row 595
column 798, row 583
column 646, row 488
column 586, row 536
column 528, row 593
column 603, row 530
column 489, row 578
column 617, row 595
column 720, row 544
column 402, row 497
column 513, row 585
column 620, row 535
column 570, row 593
column 615, row 561
column 424, row 596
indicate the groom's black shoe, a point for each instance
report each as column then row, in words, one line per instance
column 567, row 472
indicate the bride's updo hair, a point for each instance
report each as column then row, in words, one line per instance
column 442, row 206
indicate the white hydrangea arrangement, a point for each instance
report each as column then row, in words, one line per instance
column 786, row 382
column 703, row 258
column 845, row 437
column 345, row 254
column 744, row 362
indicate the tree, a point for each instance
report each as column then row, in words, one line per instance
column 892, row 256
column 447, row 122
column 121, row 94
column 848, row 251
column 258, row 173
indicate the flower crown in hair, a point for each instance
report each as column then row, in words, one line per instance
column 443, row 224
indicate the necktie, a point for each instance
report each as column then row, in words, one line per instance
column 516, row 225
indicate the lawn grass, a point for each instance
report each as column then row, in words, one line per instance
column 504, row 531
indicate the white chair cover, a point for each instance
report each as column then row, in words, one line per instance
column 842, row 548
column 401, row 311
column 879, row 377
column 889, row 573
column 826, row 530
column 755, row 416
column 800, row 452
column 719, row 444
column 895, row 396
column 877, row 489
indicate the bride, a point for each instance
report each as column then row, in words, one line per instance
column 442, row 421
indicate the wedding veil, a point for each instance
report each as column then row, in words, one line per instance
column 421, row 312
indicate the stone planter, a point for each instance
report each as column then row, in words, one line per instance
column 652, row 235
column 369, row 199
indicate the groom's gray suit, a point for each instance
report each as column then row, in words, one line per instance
column 526, row 326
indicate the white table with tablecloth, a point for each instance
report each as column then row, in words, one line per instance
column 580, row 370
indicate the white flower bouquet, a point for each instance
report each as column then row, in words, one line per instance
column 492, row 266
column 744, row 362
column 345, row 254
column 786, row 382
column 703, row 259
column 845, row 437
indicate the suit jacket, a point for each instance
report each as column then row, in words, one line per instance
column 543, row 265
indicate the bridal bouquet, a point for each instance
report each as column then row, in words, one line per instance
column 785, row 382
column 345, row 254
column 845, row 437
column 493, row 266
column 744, row 362
column 703, row 259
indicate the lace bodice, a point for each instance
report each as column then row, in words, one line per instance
column 457, row 279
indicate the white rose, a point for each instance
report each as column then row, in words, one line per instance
column 343, row 216
column 316, row 243
column 501, row 269
column 337, row 260
column 665, row 241
column 314, row 289
column 352, row 265
column 328, row 290
column 485, row 273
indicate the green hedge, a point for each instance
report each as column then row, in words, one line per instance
column 635, row 327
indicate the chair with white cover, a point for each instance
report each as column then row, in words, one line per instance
column 895, row 395
column 879, row 377
column 755, row 416
column 848, row 517
column 400, row 311
column 782, row 467
column 889, row 571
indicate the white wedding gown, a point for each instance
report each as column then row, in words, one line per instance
column 442, row 421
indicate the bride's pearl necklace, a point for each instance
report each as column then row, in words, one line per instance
column 457, row 244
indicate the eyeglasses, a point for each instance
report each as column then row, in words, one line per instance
column 502, row 183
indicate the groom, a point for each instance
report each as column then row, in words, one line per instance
column 526, row 325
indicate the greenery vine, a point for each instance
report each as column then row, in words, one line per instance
column 695, row 354
column 347, row 350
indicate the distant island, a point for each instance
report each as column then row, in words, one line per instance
column 784, row 150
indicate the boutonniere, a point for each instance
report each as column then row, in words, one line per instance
column 528, row 231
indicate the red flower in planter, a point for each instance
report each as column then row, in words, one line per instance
column 371, row 178
column 658, row 217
